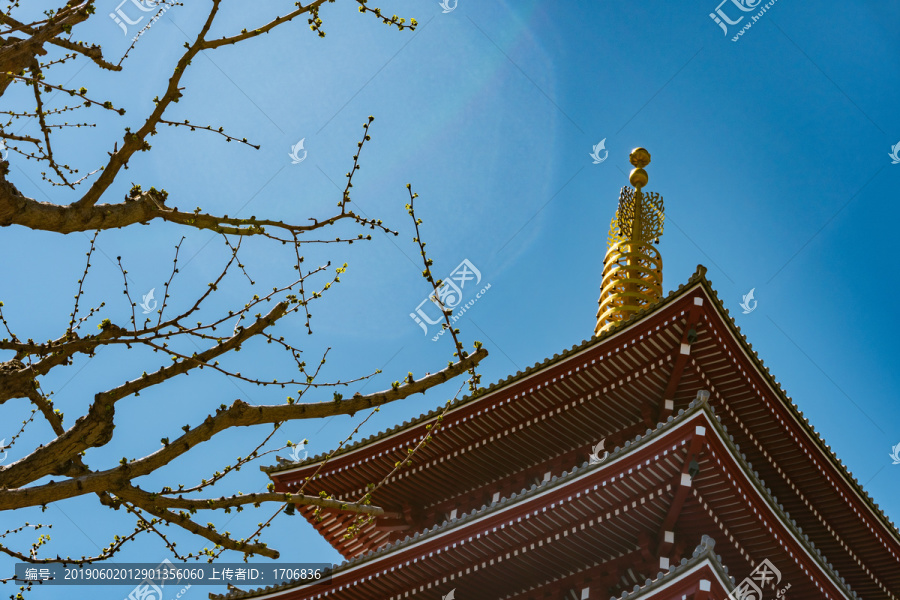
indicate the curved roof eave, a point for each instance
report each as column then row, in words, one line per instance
column 620, row 328
column 567, row 477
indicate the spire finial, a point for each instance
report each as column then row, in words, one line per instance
column 640, row 158
column 632, row 268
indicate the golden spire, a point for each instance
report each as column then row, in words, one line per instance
column 632, row 268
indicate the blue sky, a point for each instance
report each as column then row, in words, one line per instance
column 771, row 154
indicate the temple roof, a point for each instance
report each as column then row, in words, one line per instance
column 617, row 462
column 519, row 375
column 698, row 280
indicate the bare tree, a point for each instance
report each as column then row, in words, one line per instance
column 29, row 52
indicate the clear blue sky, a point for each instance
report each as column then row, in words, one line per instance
column 771, row 154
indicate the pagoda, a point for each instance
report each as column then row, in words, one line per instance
column 657, row 460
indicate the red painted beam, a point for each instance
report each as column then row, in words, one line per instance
column 681, row 360
column 684, row 484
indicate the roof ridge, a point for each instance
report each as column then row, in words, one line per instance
column 698, row 276
column 704, row 551
column 802, row 420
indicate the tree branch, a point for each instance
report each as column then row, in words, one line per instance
column 141, row 497
column 96, row 429
column 240, row 414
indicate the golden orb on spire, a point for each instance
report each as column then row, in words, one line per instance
column 640, row 158
column 632, row 268
column 638, row 178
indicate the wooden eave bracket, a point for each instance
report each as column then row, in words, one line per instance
column 666, row 534
column 667, row 407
